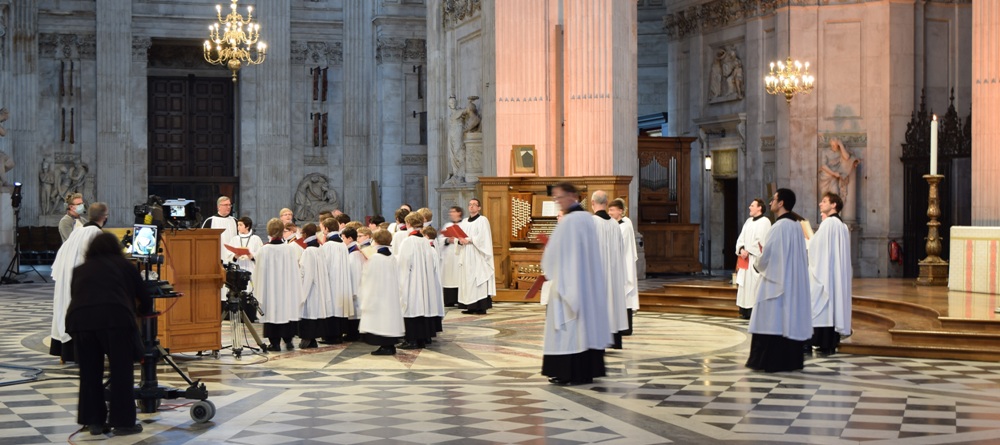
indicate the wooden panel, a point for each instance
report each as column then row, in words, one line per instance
column 671, row 248
column 194, row 321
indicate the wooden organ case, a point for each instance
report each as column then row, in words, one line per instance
column 514, row 207
column 670, row 241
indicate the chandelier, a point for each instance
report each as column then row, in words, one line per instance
column 789, row 78
column 235, row 45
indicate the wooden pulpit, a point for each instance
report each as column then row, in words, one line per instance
column 191, row 264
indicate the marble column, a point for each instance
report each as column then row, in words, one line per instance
column 266, row 94
column 359, row 70
column 115, row 158
column 985, row 113
column 22, row 99
column 437, row 105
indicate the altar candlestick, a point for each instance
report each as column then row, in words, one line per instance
column 934, row 141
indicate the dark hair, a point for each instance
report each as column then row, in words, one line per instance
column 835, row 200
column 478, row 202
column 401, row 215
column 349, row 232
column 246, row 222
column 342, row 218
column 617, row 202
column 787, row 197
column 309, row 230
column 760, row 203
column 566, row 187
column 377, row 219
column 105, row 244
column 461, row 212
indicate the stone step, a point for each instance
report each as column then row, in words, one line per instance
column 706, row 289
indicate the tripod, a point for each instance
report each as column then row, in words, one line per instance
column 238, row 320
column 14, row 268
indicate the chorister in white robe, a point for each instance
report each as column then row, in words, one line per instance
column 249, row 241
column 228, row 226
column 631, row 256
column 356, row 264
column 477, row 269
column 609, row 239
column 315, row 284
column 576, row 315
column 419, row 282
column 830, row 275
column 752, row 239
column 381, row 313
column 339, row 274
column 70, row 255
column 783, row 306
column 397, row 240
column 451, row 274
column 278, row 283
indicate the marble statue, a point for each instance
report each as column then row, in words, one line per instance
column 6, row 162
column 47, row 180
column 726, row 79
column 460, row 121
column 837, row 167
column 312, row 196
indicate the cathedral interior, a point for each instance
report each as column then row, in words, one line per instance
column 671, row 105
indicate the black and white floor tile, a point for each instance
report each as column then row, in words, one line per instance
column 680, row 379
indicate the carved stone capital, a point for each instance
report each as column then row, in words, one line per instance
column 390, row 49
column 67, row 46
column 457, row 12
column 414, row 160
column 321, row 53
column 140, row 47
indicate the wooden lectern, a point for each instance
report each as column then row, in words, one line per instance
column 191, row 264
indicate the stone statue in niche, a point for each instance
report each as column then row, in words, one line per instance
column 6, row 162
column 312, row 196
column 460, row 121
column 726, row 79
column 838, row 165
column 47, row 189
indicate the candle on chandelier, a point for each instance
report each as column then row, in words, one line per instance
column 934, row 144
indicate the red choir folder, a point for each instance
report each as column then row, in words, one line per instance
column 535, row 288
column 238, row 251
column 742, row 263
column 454, row 231
column 301, row 242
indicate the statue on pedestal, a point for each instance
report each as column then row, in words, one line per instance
column 6, row 162
column 838, row 165
column 460, row 122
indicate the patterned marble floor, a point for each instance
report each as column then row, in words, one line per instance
column 680, row 379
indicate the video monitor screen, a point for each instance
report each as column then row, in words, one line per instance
column 178, row 211
column 144, row 239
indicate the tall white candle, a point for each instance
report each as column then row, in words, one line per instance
column 934, row 138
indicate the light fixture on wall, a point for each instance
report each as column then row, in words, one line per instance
column 789, row 78
column 708, row 162
column 235, row 46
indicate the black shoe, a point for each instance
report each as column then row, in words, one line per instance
column 558, row 381
column 468, row 312
column 127, row 430
column 412, row 346
column 385, row 350
column 331, row 341
column 308, row 344
column 97, row 429
column 275, row 347
column 289, row 346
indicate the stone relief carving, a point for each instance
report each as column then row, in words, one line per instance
column 714, row 15
column 312, row 196
column 414, row 160
column 461, row 121
column 6, row 162
column 394, row 49
column 317, row 52
column 67, row 173
column 457, row 11
column 67, row 46
column 726, row 77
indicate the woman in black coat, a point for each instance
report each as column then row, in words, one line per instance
column 107, row 293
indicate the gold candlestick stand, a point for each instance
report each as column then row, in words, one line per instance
column 933, row 269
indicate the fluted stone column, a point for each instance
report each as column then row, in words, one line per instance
column 267, row 112
column 985, row 113
column 115, row 157
column 23, row 141
column 359, row 153
column 437, row 104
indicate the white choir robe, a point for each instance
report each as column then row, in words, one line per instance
column 477, row 269
column 576, row 317
column 830, row 275
column 752, row 239
column 381, row 313
column 783, row 306
column 70, row 255
column 249, row 241
column 339, row 274
column 609, row 239
column 278, row 283
column 356, row 264
column 315, row 284
column 451, row 274
column 419, row 283
column 228, row 226
column 631, row 256
column 397, row 240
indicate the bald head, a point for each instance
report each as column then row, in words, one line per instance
column 599, row 200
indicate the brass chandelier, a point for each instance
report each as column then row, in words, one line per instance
column 235, row 46
column 789, row 78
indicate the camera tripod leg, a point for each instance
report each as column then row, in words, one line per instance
column 253, row 332
column 170, row 361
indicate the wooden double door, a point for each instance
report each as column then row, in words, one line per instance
column 191, row 139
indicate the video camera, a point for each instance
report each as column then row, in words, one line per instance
column 237, row 280
column 181, row 212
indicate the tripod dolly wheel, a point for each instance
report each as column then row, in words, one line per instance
column 202, row 411
column 142, row 405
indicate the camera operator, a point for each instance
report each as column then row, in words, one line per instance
column 106, row 295
column 73, row 219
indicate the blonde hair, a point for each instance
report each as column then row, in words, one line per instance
column 426, row 213
column 72, row 197
column 414, row 221
column 275, row 227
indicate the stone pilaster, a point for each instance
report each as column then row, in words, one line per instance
column 985, row 113
column 114, row 111
column 437, row 104
column 360, row 153
column 23, row 141
column 267, row 105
